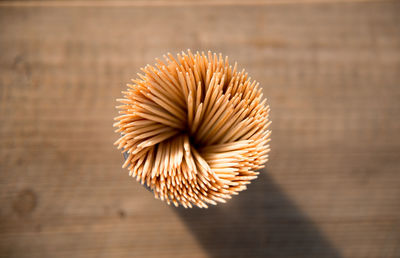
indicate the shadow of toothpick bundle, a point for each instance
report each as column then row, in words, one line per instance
column 195, row 129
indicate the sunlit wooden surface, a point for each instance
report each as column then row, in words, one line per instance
column 331, row 72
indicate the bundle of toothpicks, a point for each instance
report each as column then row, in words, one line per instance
column 194, row 129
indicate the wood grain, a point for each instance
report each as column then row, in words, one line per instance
column 330, row 71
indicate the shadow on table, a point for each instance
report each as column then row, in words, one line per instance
column 261, row 222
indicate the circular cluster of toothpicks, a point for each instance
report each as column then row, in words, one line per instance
column 194, row 129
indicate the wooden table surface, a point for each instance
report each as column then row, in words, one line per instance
column 331, row 72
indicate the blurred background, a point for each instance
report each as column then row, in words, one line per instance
column 329, row 68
